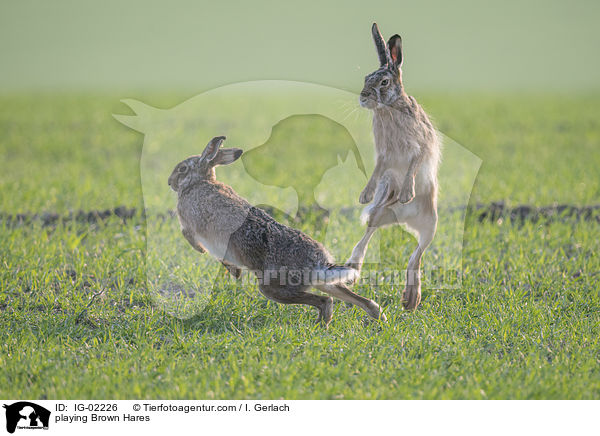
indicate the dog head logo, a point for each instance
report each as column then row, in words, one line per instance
column 26, row 415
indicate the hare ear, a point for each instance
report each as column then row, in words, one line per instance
column 212, row 148
column 382, row 50
column 226, row 156
column 395, row 50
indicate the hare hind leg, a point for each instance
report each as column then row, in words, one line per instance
column 377, row 218
column 378, row 215
column 296, row 295
column 425, row 226
column 343, row 293
column 359, row 251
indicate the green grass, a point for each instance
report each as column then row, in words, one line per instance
column 524, row 324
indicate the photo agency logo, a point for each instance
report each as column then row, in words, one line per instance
column 24, row 415
column 303, row 153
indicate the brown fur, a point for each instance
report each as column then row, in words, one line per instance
column 287, row 262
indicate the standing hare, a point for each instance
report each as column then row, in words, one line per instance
column 287, row 262
column 403, row 186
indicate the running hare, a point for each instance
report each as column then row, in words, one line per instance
column 403, row 186
column 287, row 262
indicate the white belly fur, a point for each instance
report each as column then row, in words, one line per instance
column 217, row 247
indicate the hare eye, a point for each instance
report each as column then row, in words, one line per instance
column 385, row 82
column 182, row 169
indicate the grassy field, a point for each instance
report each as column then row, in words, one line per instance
column 524, row 324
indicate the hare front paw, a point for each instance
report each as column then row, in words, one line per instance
column 366, row 196
column 233, row 270
column 407, row 194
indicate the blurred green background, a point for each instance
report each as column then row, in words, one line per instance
column 193, row 46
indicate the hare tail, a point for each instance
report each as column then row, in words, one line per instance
column 334, row 275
